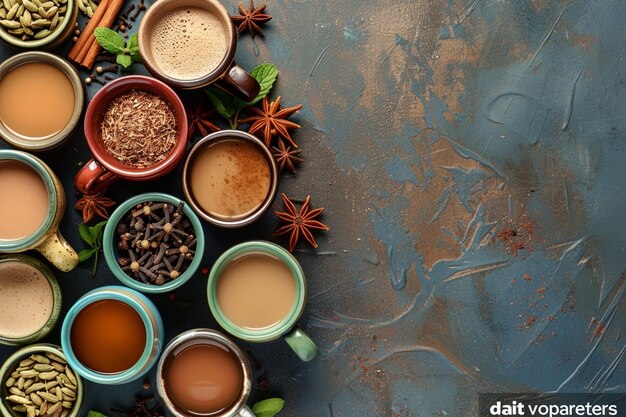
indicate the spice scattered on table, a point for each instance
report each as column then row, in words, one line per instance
column 94, row 204
column 271, row 120
column 251, row 19
column 156, row 241
column 86, row 49
column 199, row 117
column 42, row 384
column 299, row 222
column 139, row 129
column 28, row 20
column 286, row 156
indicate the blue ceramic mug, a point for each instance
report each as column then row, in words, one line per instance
column 153, row 326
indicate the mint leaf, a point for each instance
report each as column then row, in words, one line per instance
column 269, row 407
column 95, row 414
column 85, row 234
column 109, row 40
column 97, row 231
column 266, row 75
column 133, row 48
column 85, row 254
column 223, row 103
column 124, row 60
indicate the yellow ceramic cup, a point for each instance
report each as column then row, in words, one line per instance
column 46, row 239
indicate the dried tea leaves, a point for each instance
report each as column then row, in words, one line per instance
column 139, row 129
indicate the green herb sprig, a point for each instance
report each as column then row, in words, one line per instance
column 111, row 41
column 92, row 235
column 95, row 414
column 229, row 107
column 269, row 407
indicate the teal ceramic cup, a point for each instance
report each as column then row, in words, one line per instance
column 55, row 294
column 46, row 239
column 287, row 328
column 150, row 317
column 112, row 254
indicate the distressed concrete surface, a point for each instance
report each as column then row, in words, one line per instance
column 471, row 156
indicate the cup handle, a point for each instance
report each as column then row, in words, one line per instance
column 246, row 412
column 238, row 82
column 60, row 254
column 93, row 178
column 301, row 344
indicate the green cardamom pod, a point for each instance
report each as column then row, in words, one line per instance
column 40, row 35
column 48, row 397
column 55, row 358
column 19, row 400
column 30, row 5
column 12, row 11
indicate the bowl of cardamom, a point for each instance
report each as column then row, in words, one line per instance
column 37, row 24
column 37, row 381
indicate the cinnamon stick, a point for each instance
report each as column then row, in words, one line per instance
column 87, row 35
column 109, row 17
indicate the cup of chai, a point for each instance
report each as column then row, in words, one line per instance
column 257, row 292
column 32, row 209
column 190, row 44
column 41, row 101
column 136, row 129
column 230, row 178
column 202, row 373
column 30, row 300
column 112, row 335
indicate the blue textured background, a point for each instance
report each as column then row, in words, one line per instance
column 429, row 127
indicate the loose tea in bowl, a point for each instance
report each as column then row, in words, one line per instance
column 139, row 129
column 131, row 152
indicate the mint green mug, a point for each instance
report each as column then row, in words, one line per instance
column 287, row 328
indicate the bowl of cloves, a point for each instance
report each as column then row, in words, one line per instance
column 153, row 243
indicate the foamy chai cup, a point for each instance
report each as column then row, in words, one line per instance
column 191, row 44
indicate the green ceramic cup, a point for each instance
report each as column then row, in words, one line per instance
column 287, row 328
column 111, row 255
column 13, row 361
column 56, row 301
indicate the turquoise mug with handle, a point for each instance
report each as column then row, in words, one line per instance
column 287, row 327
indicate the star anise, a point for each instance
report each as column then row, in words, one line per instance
column 272, row 120
column 286, row 156
column 251, row 19
column 198, row 118
column 299, row 222
column 92, row 204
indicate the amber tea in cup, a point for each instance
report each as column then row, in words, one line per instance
column 108, row 336
column 202, row 373
column 230, row 178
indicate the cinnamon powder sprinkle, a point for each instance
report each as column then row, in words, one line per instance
column 139, row 129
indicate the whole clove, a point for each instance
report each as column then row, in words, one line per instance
column 156, row 242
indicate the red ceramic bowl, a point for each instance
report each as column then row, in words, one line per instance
column 98, row 173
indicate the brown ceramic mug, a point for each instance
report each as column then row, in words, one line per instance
column 103, row 170
column 226, row 75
